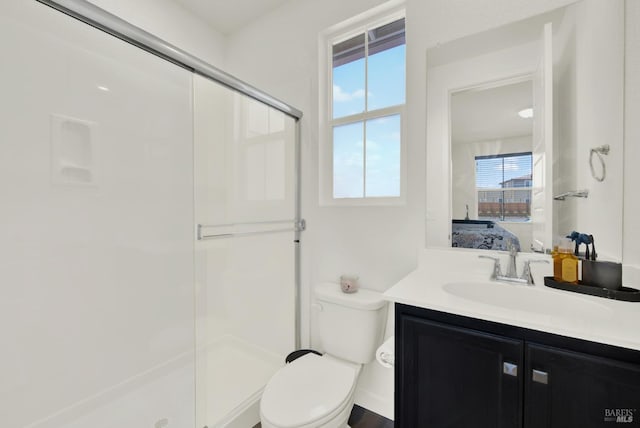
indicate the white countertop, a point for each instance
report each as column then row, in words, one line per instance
column 457, row 281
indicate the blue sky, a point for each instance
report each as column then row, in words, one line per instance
column 386, row 88
column 386, row 83
column 382, row 158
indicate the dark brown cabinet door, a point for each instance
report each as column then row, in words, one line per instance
column 565, row 389
column 451, row 377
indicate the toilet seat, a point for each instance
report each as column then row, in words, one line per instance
column 308, row 392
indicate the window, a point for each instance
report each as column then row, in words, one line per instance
column 503, row 184
column 365, row 111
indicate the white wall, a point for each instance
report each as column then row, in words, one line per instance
column 564, row 120
column 599, row 119
column 171, row 22
column 96, row 279
column 631, row 238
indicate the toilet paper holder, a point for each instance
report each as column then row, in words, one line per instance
column 388, row 358
column 385, row 355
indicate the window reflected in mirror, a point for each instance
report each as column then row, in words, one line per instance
column 492, row 173
column 503, row 185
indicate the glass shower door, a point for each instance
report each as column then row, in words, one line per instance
column 244, row 153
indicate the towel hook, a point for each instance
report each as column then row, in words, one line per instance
column 600, row 150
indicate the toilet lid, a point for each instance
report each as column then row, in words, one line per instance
column 308, row 389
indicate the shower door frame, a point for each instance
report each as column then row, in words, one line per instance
column 121, row 29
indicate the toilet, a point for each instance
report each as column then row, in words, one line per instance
column 318, row 391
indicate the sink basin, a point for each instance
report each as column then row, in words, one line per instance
column 528, row 299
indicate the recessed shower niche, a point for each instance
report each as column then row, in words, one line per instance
column 72, row 151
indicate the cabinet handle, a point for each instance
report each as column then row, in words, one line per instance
column 540, row 377
column 510, row 369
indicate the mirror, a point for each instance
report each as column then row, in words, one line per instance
column 528, row 180
column 491, row 158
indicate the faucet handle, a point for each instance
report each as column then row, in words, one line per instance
column 526, row 270
column 497, row 269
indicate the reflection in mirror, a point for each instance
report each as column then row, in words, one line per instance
column 570, row 63
column 491, row 154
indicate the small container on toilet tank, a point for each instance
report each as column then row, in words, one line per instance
column 349, row 283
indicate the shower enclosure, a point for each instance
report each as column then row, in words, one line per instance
column 149, row 228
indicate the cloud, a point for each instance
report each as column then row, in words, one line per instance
column 341, row 96
column 351, row 161
column 373, row 145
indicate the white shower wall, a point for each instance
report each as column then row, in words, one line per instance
column 96, row 238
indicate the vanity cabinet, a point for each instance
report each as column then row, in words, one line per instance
column 459, row 372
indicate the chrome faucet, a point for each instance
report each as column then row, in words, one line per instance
column 497, row 269
column 511, row 276
column 512, row 270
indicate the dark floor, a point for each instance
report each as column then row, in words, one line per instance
column 363, row 418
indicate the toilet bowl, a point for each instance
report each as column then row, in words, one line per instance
column 312, row 391
column 318, row 391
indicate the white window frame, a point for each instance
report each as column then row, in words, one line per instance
column 385, row 14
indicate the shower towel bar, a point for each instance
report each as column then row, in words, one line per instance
column 297, row 226
column 236, row 234
column 249, row 223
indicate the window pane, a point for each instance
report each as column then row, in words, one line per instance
column 510, row 173
column 348, row 77
column 348, row 161
column 386, row 66
column 489, row 173
column 383, row 157
column 517, row 170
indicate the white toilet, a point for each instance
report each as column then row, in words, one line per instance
column 318, row 391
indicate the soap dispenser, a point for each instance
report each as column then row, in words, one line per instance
column 565, row 263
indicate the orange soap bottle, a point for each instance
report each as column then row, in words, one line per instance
column 565, row 263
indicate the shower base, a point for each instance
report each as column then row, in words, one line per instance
column 232, row 375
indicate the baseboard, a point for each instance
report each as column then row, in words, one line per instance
column 631, row 276
column 376, row 403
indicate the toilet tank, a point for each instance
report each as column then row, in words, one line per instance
column 351, row 326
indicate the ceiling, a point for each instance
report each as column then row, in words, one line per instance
column 490, row 114
column 227, row 16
